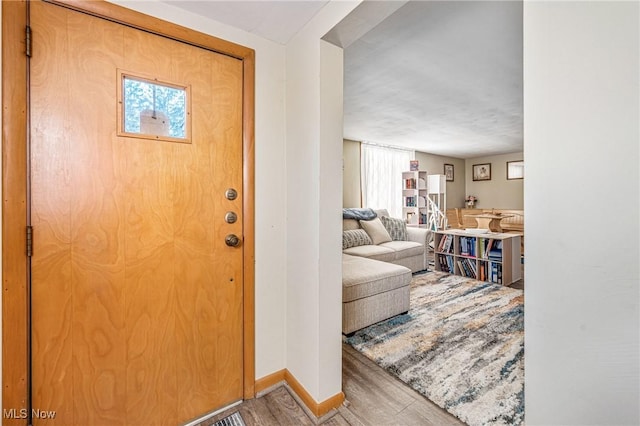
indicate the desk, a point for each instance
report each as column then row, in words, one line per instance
column 489, row 221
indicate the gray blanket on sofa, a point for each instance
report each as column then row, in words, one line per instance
column 359, row 214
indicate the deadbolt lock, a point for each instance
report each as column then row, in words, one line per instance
column 231, row 194
column 230, row 217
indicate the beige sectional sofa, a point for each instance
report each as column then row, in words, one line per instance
column 376, row 272
column 410, row 253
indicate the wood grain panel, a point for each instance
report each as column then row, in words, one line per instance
column 149, row 181
column 74, row 210
column 154, row 294
column 248, row 170
column 52, row 281
column 113, row 346
column 98, row 268
column 208, row 313
column 14, row 193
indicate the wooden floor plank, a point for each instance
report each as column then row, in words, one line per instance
column 337, row 420
column 373, row 397
column 377, row 397
column 285, row 409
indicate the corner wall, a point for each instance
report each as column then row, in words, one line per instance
column 314, row 268
column 582, row 192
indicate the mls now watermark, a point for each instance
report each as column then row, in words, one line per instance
column 22, row 413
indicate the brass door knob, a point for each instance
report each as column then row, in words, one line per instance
column 232, row 240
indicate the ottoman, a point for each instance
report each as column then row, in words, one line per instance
column 372, row 291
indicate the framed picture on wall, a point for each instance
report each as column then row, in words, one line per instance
column 515, row 170
column 481, row 171
column 448, row 172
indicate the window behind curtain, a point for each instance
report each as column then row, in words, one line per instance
column 381, row 177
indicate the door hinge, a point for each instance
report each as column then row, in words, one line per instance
column 28, row 41
column 29, row 241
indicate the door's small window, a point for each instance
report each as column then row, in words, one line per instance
column 153, row 109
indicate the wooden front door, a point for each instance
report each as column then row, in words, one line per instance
column 137, row 312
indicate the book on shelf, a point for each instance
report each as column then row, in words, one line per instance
column 446, row 244
column 467, row 268
column 494, row 273
column 423, row 218
column 468, row 246
column 410, row 183
column 446, row 263
column 495, row 252
column 482, row 248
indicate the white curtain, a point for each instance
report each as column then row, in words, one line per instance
column 381, row 176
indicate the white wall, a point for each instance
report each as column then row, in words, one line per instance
column 314, row 182
column 581, row 115
column 497, row 193
column 331, row 130
column 270, row 279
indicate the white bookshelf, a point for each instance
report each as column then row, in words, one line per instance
column 414, row 198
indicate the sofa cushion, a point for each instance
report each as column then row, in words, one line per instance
column 397, row 228
column 384, row 254
column 365, row 277
column 404, row 249
column 348, row 224
column 376, row 230
column 355, row 238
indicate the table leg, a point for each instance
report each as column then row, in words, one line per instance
column 494, row 225
column 483, row 222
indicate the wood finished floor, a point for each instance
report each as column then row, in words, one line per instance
column 374, row 397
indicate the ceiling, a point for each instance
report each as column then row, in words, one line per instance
column 277, row 21
column 443, row 77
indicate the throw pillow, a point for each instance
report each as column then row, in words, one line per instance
column 355, row 238
column 376, row 231
column 397, row 228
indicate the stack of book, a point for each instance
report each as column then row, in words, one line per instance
column 409, row 184
column 468, row 246
column 467, row 268
column 446, row 263
column 446, row 244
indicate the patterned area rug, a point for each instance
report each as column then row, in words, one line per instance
column 461, row 345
